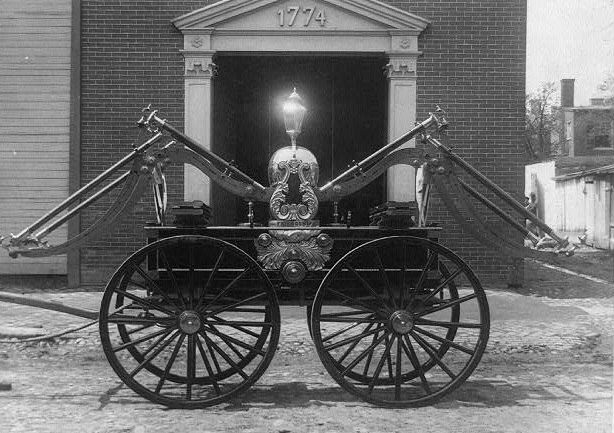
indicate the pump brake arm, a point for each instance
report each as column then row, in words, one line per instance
column 459, row 205
column 408, row 156
column 133, row 189
column 180, row 154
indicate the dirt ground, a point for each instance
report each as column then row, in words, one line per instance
column 69, row 387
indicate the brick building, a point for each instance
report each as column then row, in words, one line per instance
column 366, row 69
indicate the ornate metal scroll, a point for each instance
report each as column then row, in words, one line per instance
column 311, row 247
column 300, row 249
column 279, row 208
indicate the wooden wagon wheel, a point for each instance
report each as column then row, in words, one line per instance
column 400, row 321
column 189, row 321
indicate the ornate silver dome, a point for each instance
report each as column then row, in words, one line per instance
column 286, row 162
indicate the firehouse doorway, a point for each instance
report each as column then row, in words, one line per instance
column 346, row 99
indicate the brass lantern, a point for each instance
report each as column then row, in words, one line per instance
column 294, row 112
column 288, row 159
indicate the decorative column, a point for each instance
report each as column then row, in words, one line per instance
column 199, row 73
column 401, row 73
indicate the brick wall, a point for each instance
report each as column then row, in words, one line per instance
column 473, row 65
column 129, row 58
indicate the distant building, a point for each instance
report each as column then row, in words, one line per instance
column 574, row 189
column 587, row 130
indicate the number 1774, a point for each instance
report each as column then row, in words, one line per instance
column 289, row 16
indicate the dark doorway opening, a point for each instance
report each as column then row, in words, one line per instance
column 346, row 99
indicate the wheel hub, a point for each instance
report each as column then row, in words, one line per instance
column 189, row 322
column 294, row 272
column 402, row 322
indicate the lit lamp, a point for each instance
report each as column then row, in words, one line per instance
column 294, row 112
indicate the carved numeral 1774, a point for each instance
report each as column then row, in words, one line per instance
column 293, row 11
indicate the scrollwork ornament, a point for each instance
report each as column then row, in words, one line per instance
column 400, row 67
column 200, row 67
column 310, row 247
column 197, row 42
column 278, row 206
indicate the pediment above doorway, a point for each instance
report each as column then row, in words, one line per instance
column 300, row 26
column 361, row 28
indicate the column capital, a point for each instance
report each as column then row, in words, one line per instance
column 401, row 65
column 199, row 64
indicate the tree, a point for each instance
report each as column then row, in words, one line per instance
column 541, row 121
column 607, row 88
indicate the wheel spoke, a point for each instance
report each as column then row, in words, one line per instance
column 403, row 277
column 442, row 285
column 223, row 354
column 122, row 319
column 139, row 329
column 397, row 378
column 382, row 271
column 171, row 275
column 249, row 310
column 233, row 340
column 239, row 325
column 137, row 284
column 448, row 304
column 364, row 353
column 141, row 340
column 227, row 341
column 444, row 340
column 355, row 302
column 208, row 357
column 191, row 278
column 341, row 331
column 352, row 339
column 389, row 361
column 155, row 353
column 216, row 364
column 380, row 364
column 353, row 346
column 143, row 302
column 427, row 322
column 334, row 319
column 208, row 365
column 397, row 359
column 366, row 284
column 191, row 367
column 422, row 278
column 152, row 285
column 169, row 364
column 413, row 358
column 433, row 353
column 231, row 306
column 365, row 369
column 345, row 313
column 216, row 267
column 156, row 343
column 227, row 288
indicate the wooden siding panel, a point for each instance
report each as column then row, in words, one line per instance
column 35, row 38
column 601, row 236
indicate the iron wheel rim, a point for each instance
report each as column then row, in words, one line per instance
column 424, row 348
column 207, row 343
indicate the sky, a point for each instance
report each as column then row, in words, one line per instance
column 570, row 39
